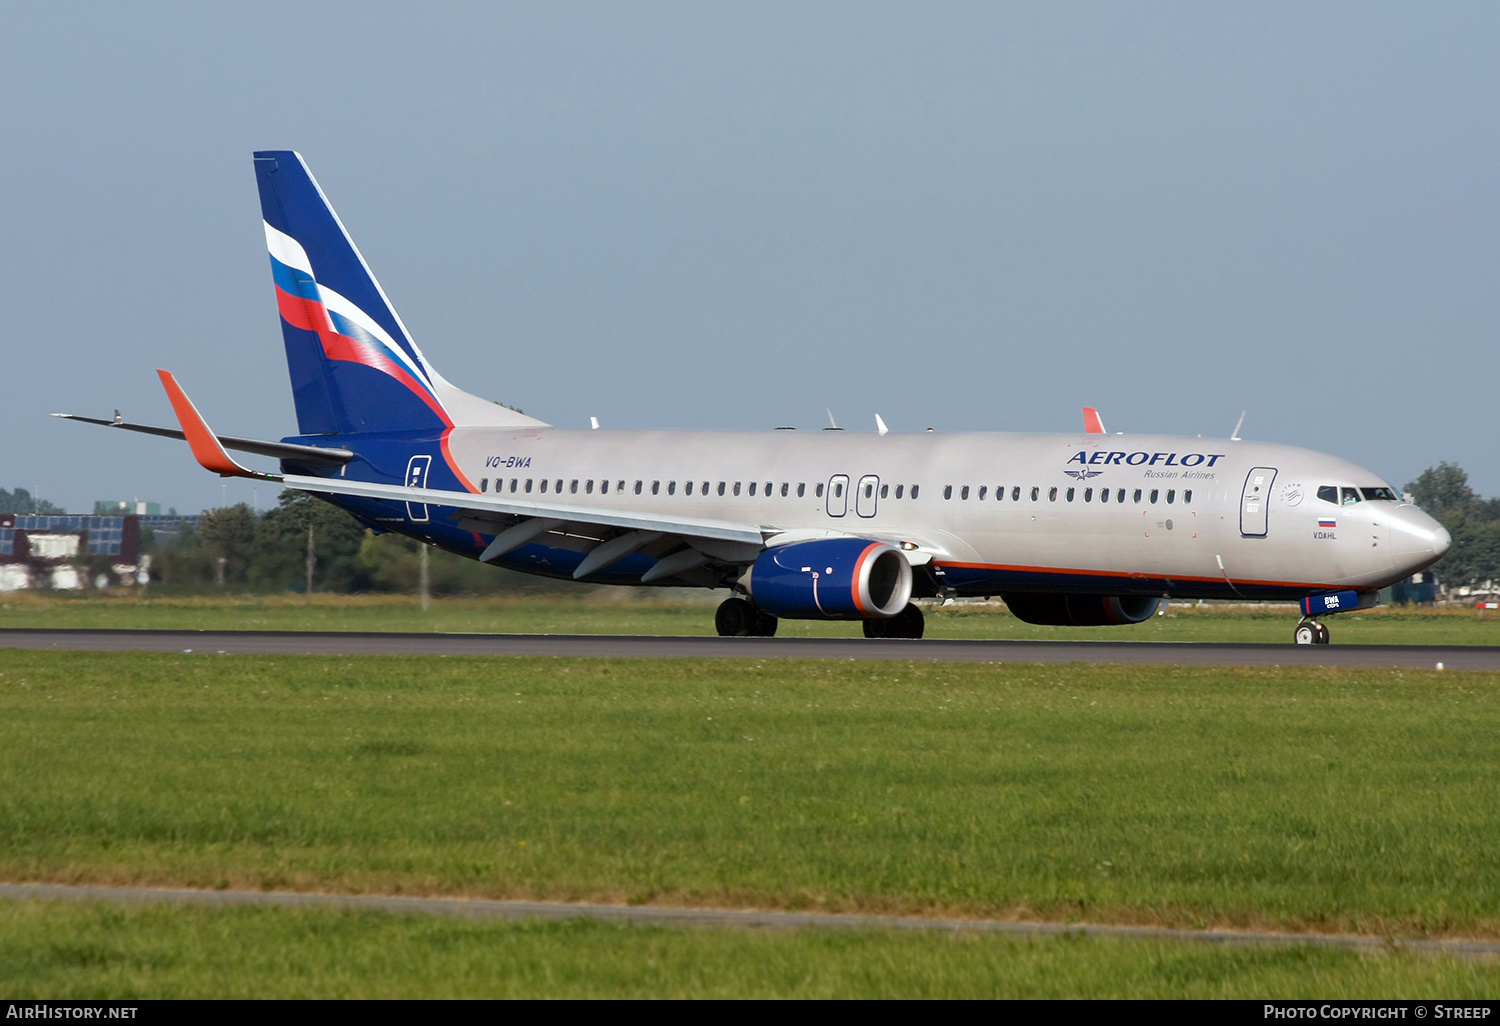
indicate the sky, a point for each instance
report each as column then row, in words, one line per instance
column 708, row 216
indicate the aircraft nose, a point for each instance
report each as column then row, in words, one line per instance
column 1418, row 539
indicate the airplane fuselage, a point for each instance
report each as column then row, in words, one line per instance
column 982, row 513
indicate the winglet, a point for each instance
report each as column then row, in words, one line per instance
column 206, row 448
column 1092, row 424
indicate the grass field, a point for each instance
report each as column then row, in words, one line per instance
column 619, row 611
column 48, row 949
column 1325, row 800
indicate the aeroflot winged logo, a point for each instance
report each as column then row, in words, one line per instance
column 1149, row 459
column 346, row 332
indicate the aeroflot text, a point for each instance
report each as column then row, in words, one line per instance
column 1150, row 459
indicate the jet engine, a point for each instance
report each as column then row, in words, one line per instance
column 831, row 579
column 1082, row 610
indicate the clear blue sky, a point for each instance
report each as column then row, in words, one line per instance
column 711, row 216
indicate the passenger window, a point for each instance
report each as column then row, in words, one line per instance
column 752, row 487
column 964, row 493
column 558, row 486
column 1171, row 495
column 655, row 487
column 982, row 490
column 898, row 490
column 1351, row 496
column 1015, row 494
column 1120, row 495
column 869, row 490
column 588, row 487
column 1052, row 494
column 671, row 487
column 1088, row 495
column 1187, row 496
column 638, row 487
column 1328, row 493
column 604, row 487
column 528, row 486
column 767, row 492
column 620, row 486
column 544, row 484
column 818, row 491
column 1070, row 495
column 784, row 489
column 1154, row 494
column 704, row 489
column 1137, row 497
column 484, row 484
column 947, row 491
column 513, row 483
column 1104, row 495
column 801, row 489
column 687, row 488
column 1035, row 491
column 573, row 488
column 736, row 488
column 884, row 491
column 914, row 491
column 721, row 487
column 838, row 490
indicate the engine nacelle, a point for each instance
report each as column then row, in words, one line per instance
column 831, row 579
column 1082, row 610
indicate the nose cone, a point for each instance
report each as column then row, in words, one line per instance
column 1417, row 539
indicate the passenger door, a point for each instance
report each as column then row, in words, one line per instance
column 1255, row 500
column 866, row 495
column 416, row 477
column 838, row 495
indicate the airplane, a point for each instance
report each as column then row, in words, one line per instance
column 1068, row 529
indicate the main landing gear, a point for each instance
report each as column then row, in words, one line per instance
column 737, row 618
column 906, row 624
column 1311, row 632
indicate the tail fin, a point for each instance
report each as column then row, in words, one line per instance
column 353, row 365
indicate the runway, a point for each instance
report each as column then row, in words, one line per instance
column 658, row 915
column 598, row 646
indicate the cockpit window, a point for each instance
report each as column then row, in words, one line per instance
column 1380, row 494
column 1351, row 496
column 1328, row 493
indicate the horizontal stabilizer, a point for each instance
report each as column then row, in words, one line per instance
column 312, row 455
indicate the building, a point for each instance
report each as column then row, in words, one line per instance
column 72, row 552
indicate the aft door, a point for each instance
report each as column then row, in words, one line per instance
column 866, row 495
column 838, row 495
column 416, row 477
column 1254, row 501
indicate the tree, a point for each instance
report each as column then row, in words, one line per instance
column 20, row 501
column 228, row 541
column 1474, row 523
column 281, row 542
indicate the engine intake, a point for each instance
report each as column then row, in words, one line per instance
column 1082, row 610
column 833, row 579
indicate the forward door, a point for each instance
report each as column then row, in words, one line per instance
column 1255, row 501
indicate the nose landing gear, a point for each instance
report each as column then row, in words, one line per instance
column 1311, row 632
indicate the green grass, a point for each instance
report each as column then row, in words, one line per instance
column 620, row 611
column 53, row 950
column 1347, row 800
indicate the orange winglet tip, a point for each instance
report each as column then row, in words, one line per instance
column 1092, row 423
column 206, row 448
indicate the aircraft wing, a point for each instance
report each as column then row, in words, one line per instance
column 514, row 522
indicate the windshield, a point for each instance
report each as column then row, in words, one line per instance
column 1385, row 494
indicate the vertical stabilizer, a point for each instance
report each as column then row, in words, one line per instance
column 353, row 365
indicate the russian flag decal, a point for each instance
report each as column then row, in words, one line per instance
column 1326, row 522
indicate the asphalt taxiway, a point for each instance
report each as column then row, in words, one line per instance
column 598, row 646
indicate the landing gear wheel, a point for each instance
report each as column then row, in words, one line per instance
column 908, row 623
column 735, row 618
column 1311, row 632
column 765, row 625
